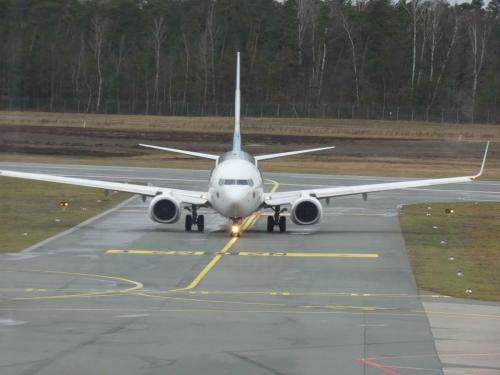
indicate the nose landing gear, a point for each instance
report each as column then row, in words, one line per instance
column 235, row 229
column 276, row 220
column 194, row 219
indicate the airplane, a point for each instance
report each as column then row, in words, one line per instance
column 236, row 187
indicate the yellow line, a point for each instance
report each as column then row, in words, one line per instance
column 156, row 252
column 314, row 294
column 247, row 224
column 137, row 285
column 308, row 255
column 246, row 253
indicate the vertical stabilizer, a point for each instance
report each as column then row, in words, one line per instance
column 237, row 109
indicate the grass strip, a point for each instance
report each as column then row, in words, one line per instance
column 454, row 254
column 30, row 210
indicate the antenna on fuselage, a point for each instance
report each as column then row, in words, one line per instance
column 237, row 108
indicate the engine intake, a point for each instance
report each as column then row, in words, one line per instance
column 306, row 211
column 164, row 210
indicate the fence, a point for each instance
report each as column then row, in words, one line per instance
column 490, row 115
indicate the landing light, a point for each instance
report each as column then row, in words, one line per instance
column 235, row 229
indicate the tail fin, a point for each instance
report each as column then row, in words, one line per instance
column 237, row 109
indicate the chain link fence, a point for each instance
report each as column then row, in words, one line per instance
column 487, row 115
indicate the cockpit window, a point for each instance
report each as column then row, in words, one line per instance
column 223, row 181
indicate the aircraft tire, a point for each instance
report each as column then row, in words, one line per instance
column 282, row 224
column 270, row 223
column 201, row 223
column 189, row 223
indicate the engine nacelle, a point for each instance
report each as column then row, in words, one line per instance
column 306, row 211
column 164, row 210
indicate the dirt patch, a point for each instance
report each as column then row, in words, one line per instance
column 365, row 147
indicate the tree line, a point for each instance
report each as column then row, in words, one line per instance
column 427, row 59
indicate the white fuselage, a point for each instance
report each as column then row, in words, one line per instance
column 236, row 188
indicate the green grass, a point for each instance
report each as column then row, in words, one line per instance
column 30, row 211
column 472, row 233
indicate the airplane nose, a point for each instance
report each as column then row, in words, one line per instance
column 234, row 199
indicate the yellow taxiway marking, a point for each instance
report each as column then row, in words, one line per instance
column 224, row 252
column 310, row 294
column 247, row 224
column 136, row 285
column 156, row 252
column 308, row 255
column 344, row 307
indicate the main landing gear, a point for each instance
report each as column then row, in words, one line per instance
column 194, row 219
column 276, row 220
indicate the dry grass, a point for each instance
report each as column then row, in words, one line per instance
column 291, row 126
column 385, row 148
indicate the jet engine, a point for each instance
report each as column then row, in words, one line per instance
column 306, row 211
column 164, row 210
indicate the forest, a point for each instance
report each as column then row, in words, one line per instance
column 418, row 59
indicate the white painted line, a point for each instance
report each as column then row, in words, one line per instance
column 11, row 322
column 132, row 316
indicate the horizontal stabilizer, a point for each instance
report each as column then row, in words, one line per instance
column 281, row 154
column 177, row 151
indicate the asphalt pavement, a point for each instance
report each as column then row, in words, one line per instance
column 125, row 295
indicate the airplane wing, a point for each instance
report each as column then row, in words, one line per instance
column 290, row 153
column 183, row 196
column 184, row 152
column 288, row 197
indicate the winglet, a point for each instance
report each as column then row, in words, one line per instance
column 483, row 163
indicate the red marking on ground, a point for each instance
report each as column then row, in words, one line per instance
column 374, row 365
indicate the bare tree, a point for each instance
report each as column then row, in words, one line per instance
column 159, row 34
column 322, row 65
column 303, row 23
column 203, row 48
column 414, row 9
column 477, row 29
column 98, row 25
column 350, row 37
column 186, row 68
column 212, row 31
column 444, row 62
column 437, row 8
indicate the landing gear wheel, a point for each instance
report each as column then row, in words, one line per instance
column 282, row 224
column 201, row 223
column 189, row 223
column 270, row 223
